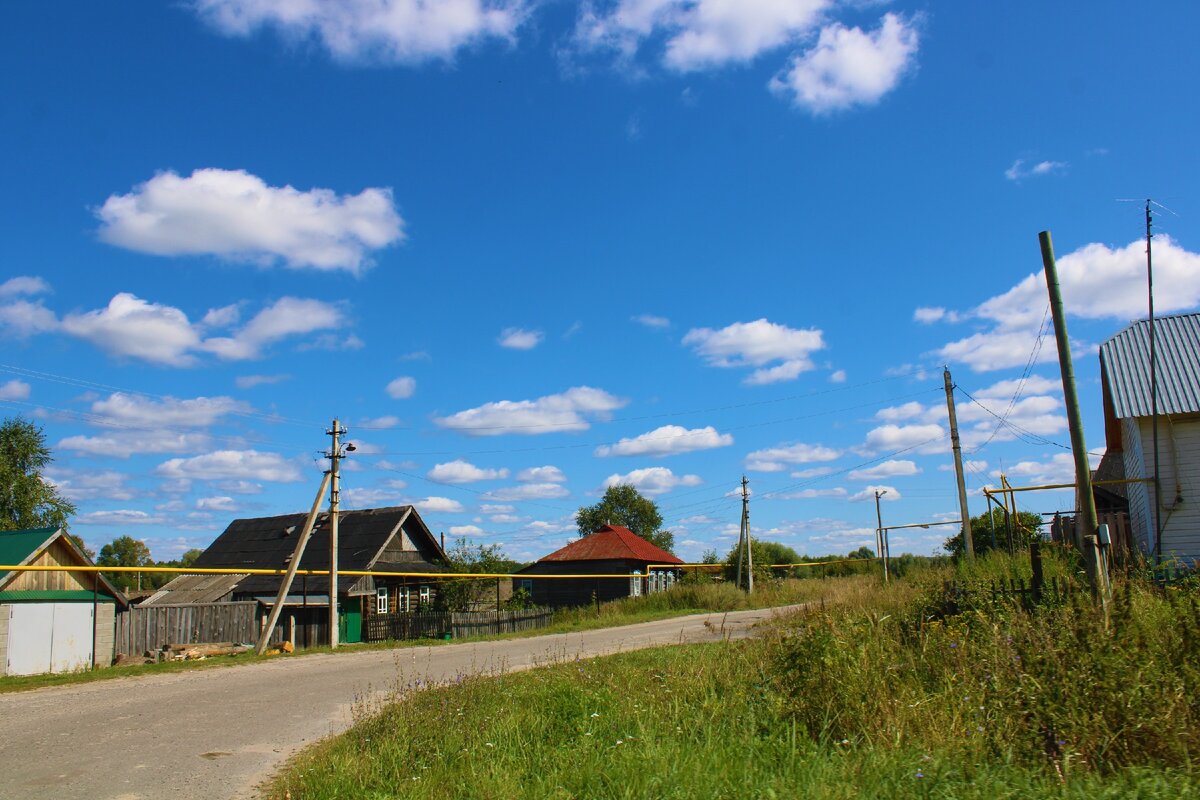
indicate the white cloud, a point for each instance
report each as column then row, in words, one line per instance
column 1022, row 169
column 909, row 410
column 1098, row 282
column 814, row 472
column 837, row 376
column 22, row 318
column 286, row 317
column 547, row 474
column 23, row 285
column 758, row 344
column 401, row 388
column 231, row 464
column 812, row 494
column 1032, row 385
column 667, row 440
column 927, row 438
column 519, row 338
column 460, row 471
column 465, row 530
column 651, row 321
column 868, row 493
column 442, row 505
column 14, row 390
column 78, row 485
column 236, row 215
column 849, row 67
column 132, row 441
column 250, row 381
column 506, row 519
column 139, row 411
column 223, row 317
column 387, row 31
column 927, row 315
column 1059, row 468
column 119, row 517
column 371, row 497
column 239, row 487
column 379, row 423
column 885, row 469
column 652, row 481
column 776, row 459
column 217, row 503
column 493, row 508
column 569, row 411
column 528, row 491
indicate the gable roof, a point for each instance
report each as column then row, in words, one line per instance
column 268, row 543
column 1125, row 363
column 612, row 542
column 20, row 547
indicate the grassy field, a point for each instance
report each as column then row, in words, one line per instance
column 881, row 693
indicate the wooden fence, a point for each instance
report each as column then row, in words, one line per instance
column 139, row 629
column 456, row 624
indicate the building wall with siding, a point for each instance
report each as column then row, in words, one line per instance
column 1138, row 493
column 1179, row 461
column 106, row 634
column 4, row 638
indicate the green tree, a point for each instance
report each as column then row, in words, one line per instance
column 189, row 558
column 862, row 552
column 124, row 551
column 82, row 545
column 624, row 505
column 27, row 498
column 765, row 554
column 1025, row 526
column 465, row 556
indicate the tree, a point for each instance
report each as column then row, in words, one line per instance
column 459, row 594
column 1025, row 526
column 765, row 554
column 27, row 498
column 624, row 505
column 189, row 558
column 862, row 552
column 82, row 545
column 124, row 551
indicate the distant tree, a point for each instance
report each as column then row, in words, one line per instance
column 625, row 506
column 189, row 558
column 1026, row 525
column 465, row 556
column 710, row 557
column 124, row 551
column 27, row 498
column 78, row 542
column 862, row 552
column 764, row 555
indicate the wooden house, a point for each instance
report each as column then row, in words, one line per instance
column 392, row 539
column 612, row 550
column 53, row 621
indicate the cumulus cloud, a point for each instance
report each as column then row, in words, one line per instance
column 466, row 530
column 837, row 376
column 571, row 410
column 119, row 517
column 652, row 481
column 443, row 505
column 519, row 338
column 81, row 485
column 893, row 494
column 250, row 381
column 23, row 318
column 379, row 423
column 528, row 491
column 885, row 469
column 652, row 321
column 387, row 31
column 237, row 216
column 231, row 464
column 14, row 390
column 546, row 474
column 217, row 503
column 909, row 410
column 758, row 344
column 813, row 494
column 667, row 440
column 401, row 388
column 460, row 471
column 926, row 438
column 139, row 411
column 23, row 285
column 286, row 317
column 849, row 66
column 133, row 441
column 1022, row 169
column 776, row 459
column 1059, row 468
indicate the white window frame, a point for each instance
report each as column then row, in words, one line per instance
column 402, row 600
column 381, row 600
column 426, row 594
column 635, row 584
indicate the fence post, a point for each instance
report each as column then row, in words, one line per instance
column 1035, row 561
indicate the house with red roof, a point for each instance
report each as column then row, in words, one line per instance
column 610, row 551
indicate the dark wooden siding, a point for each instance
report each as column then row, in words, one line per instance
column 561, row 592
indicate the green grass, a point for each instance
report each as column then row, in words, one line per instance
column 878, row 692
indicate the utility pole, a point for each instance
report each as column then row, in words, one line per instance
column 968, row 541
column 741, row 547
column 746, row 525
column 335, row 456
column 881, row 534
column 1153, row 393
column 1083, row 472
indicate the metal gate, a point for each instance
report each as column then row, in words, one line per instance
column 49, row 637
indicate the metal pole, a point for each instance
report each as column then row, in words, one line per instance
column 749, row 540
column 741, row 546
column 968, row 541
column 1083, row 471
column 882, row 534
column 335, row 456
column 1153, row 394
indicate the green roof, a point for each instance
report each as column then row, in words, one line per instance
column 16, row 546
column 61, row 595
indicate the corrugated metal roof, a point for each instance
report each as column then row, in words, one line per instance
column 193, row 589
column 1126, row 360
column 16, row 546
column 54, row 595
column 612, row 542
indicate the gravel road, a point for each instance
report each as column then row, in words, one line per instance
column 218, row 733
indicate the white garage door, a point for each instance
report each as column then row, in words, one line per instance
column 49, row 637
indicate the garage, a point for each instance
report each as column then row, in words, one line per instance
column 49, row 637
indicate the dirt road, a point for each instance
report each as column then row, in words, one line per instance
column 215, row 734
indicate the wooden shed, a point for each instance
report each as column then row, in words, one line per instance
column 52, row 621
column 612, row 550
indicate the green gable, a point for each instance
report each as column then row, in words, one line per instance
column 16, row 546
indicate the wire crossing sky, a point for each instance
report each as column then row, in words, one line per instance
column 527, row 250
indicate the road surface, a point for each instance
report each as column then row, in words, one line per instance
column 218, row 733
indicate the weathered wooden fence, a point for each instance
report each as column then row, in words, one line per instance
column 456, row 624
column 149, row 628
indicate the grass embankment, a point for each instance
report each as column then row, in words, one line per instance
column 885, row 694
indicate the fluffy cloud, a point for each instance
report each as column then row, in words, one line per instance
column 1098, row 282
column 758, row 344
column 466, row 530
column 23, row 285
column 869, row 494
column 460, row 471
column 1022, row 169
column 849, row 67
column 519, row 339
column 1059, row 468
column 133, row 441
column 23, row 318
column 251, row 381
column 371, row 497
column 442, row 505
column 379, row 423
column 236, row 215
column 651, row 321
column 927, row 438
column 812, row 494
column 885, row 469
column 569, row 411
column 401, row 388
column 652, row 481
column 909, row 410
column 14, row 390
column 119, row 517
column 286, row 317
column 776, row 459
column 837, row 376
column 493, row 508
column 390, row 31
column 217, row 503
column 667, row 440
column 139, row 411
column 79, row 485
column 547, row 474
column 528, row 491
column 231, row 464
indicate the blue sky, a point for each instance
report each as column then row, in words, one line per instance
column 524, row 249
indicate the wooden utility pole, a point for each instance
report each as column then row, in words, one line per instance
column 741, row 546
column 882, row 534
column 1083, row 471
column 968, row 541
column 744, row 543
column 297, row 554
column 335, row 456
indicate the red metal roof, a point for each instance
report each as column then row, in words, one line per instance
column 612, row 542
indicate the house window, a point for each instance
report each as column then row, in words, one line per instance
column 425, row 595
column 635, row 584
column 381, row 600
column 526, row 584
column 402, row 599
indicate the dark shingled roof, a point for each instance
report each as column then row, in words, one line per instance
column 268, row 543
column 612, row 542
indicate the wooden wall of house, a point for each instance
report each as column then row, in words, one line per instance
column 1179, row 461
column 562, row 592
column 57, row 554
column 393, row 584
